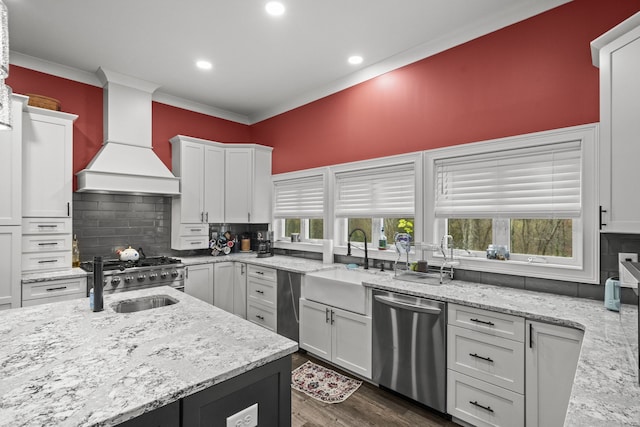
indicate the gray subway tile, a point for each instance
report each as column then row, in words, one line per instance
column 508, row 280
column 551, row 286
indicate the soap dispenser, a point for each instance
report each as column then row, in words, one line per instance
column 612, row 294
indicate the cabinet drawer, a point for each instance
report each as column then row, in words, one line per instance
column 265, row 273
column 263, row 316
column 46, row 225
column 261, row 291
column 46, row 243
column 489, row 322
column 497, row 360
column 194, row 230
column 482, row 404
column 191, row 242
column 46, row 261
column 76, row 288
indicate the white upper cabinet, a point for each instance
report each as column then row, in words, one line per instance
column 47, row 163
column 248, row 184
column 218, row 183
column 11, row 168
column 617, row 53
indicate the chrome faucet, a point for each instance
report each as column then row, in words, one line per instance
column 366, row 255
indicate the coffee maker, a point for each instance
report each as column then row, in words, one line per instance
column 265, row 244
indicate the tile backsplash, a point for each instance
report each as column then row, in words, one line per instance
column 107, row 222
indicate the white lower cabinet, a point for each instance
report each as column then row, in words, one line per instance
column 504, row 370
column 262, row 298
column 198, row 282
column 36, row 293
column 485, row 361
column 223, row 286
column 240, row 289
column 10, row 243
column 338, row 336
column 552, row 353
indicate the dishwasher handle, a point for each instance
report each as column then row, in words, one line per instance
column 405, row 306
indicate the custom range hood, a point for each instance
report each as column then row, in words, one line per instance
column 126, row 162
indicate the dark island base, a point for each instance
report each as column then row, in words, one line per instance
column 269, row 386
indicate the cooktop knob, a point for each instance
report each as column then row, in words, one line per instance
column 141, row 277
column 153, row 276
column 164, row 274
column 115, row 280
column 174, row 273
column 128, row 279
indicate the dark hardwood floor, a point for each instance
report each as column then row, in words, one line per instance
column 368, row 406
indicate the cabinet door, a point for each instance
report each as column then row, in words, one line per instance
column 351, row 343
column 620, row 127
column 551, row 358
column 191, row 183
column 238, row 185
column 10, row 242
column 214, row 178
column 315, row 328
column 262, row 187
column 47, row 165
column 240, row 289
column 11, row 170
column 223, row 286
column 199, row 282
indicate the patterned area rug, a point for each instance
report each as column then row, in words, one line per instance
column 322, row 383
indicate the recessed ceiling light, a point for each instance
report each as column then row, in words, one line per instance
column 355, row 59
column 204, row 65
column 274, row 8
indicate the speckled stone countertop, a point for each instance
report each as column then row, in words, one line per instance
column 605, row 390
column 63, row 365
column 281, row 262
column 53, row 275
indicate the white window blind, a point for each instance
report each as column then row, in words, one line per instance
column 299, row 198
column 384, row 192
column 533, row 182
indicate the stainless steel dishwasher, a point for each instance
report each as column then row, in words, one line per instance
column 409, row 347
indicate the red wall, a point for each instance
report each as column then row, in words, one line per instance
column 532, row 76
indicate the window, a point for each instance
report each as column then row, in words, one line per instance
column 374, row 199
column 532, row 197
column 299, row 207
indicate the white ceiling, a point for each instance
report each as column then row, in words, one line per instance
column 263, row 65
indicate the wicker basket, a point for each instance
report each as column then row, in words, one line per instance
column 43, row 102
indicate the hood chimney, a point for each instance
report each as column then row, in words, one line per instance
column 126, row 162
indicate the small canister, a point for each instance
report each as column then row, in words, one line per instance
column 295, row 237
column 612, row 294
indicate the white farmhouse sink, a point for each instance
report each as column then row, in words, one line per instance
column 340, row 288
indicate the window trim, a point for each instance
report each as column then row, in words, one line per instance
column 588, row 251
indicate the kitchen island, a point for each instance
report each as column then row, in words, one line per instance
column 63, row 365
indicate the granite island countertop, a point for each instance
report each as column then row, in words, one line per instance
column 605, row 391
column 62, row 364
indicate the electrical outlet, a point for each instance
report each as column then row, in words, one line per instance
column 625, row 256
column 248, row 417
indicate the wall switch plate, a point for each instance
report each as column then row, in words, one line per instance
column 248, row 417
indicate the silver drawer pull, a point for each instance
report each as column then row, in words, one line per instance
column 483, row 322
column 45, row 261
column 486, row 408
column 195, row 229
column 47, row 226
column 48, row 244
column 488, row 359
column 260, row 317
column 197, row 243
column 260, row 272
column 259, row 291
column 59, row 288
